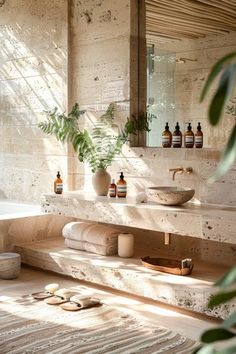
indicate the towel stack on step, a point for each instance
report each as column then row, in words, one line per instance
column 93, row 238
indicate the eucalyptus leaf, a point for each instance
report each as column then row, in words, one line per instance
column 230, row 321
column 227, row 159
column 99, row 146
column 216, row 334
column 215, row 71
column 230, row 350
column 206, row 349
column 227, row 279
column 221, row 297
column 223, row 92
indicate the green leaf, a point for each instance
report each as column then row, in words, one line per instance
column 230, row 350
column 221, row 297
column 206, row 349
column 227, row 158
column 230, row 321
column 228, row 278
column 216, row 334
column 215, row 71
column 222, row 94
column 209, row 349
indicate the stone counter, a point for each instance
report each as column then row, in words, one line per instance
column 127, row 274
column 202, row 221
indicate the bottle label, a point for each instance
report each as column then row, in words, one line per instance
column 165, row 140
column 59, row 187
column 189, row 139
column 121, row 190
column 198, row 139
column 112, row 191
column 177, row 139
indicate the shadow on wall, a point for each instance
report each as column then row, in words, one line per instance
column 33, row 67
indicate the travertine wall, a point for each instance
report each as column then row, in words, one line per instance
column 100, row 47
column 33, row 78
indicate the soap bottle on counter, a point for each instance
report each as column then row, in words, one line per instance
column 112, row 189
column 58, row 184
column 121, row 187
column 166, row 137
column 199, row 137
column 189, row 137
column 177, row 137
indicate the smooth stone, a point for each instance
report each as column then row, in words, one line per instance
column 170, row 195
column 10, row 264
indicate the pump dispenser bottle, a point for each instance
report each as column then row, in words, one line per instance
column 199, row 137
column 58, row 184
column 177, row 137
column 189, row 137
column 166, row 137
column 121, row 187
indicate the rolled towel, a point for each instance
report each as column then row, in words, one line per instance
column 93, row 233
column 104, row 250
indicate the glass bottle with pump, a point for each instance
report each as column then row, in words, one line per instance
column 189, row 137
column 58, row 184
column 112, row 189
column 166, row 137
column 199, row 137
column 121, row 187
column 177, row 137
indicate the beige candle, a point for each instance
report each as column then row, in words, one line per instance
column 126, row 245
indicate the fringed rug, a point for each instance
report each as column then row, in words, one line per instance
column 28, row 326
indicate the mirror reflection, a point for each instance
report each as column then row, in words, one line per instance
column 184, row 40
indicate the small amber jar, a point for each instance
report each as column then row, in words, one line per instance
column 58, row 184
column 112, row 189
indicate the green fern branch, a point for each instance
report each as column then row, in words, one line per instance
column 105, row 141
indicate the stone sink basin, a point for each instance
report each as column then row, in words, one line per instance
column 170, row 195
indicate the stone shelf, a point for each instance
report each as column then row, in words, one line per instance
column 202, row 221
column 189, row 292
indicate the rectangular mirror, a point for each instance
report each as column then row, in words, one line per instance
column 184, row 39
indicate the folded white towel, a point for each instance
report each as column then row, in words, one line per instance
column 105, row 250
column 94, row 233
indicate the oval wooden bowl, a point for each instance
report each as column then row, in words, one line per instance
column 172, row 266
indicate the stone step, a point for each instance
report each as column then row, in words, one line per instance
column 189, row 292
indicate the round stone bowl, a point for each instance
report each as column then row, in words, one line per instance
column 9, row 265
column 170, row 195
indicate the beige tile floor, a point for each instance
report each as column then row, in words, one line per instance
column 32, row 280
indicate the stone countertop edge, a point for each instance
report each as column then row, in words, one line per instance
column 209, row 222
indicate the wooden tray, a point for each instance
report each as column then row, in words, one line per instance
column 172, row 266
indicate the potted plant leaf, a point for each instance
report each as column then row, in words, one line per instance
column 97, row 147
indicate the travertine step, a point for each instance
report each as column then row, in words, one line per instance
column 190, row 292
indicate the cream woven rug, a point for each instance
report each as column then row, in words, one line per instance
column 28, row 326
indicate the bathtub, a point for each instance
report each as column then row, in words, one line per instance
column 12, row 210
column 24, row 222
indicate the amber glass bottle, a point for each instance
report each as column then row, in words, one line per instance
column 199, row 137
column 121, row 187
column 166, row 137
column 112, row 189
column 189, row 137
column 58, row 184
column 177, row 137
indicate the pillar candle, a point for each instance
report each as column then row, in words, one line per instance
column 125, row 245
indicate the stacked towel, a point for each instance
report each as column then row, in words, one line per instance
column 93, row 238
